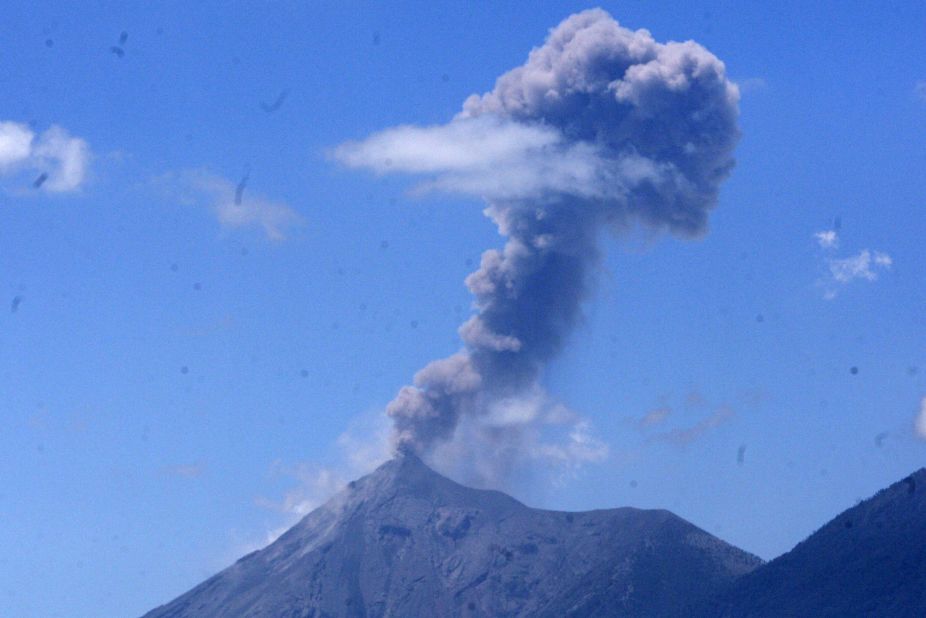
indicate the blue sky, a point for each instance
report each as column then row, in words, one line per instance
column 177, row 376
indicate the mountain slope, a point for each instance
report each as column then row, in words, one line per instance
column 868, row 561
column 405, row 541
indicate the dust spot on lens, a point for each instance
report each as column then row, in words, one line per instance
column 276, row 103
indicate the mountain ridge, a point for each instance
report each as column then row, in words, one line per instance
column 870, row 560
column 406, row 541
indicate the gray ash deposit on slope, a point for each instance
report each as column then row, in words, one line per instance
column 868, row 561
column 405, row 541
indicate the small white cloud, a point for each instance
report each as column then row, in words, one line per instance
column 866, row 265
column 15, row 144
column 920, row 423
column 55, row 157
column 827, row 239
column 233, row 206
column 883, row 260
column 66, row 157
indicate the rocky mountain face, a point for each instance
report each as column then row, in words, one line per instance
column 405, row 541
column 868, row 561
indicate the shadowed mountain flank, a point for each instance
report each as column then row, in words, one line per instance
column 868, row 561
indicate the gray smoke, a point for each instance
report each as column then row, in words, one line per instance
column 602, row 128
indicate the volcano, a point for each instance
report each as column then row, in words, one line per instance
column 406, row 541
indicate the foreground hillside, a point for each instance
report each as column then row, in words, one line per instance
column 868, row 561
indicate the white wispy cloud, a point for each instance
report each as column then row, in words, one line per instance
column 866, row 265
column 919, row 424
column 53, row 160
column 496, row 158
column 827, row 239
column 15, row 144
column 531, row 433
column 315, row 484
column 362, row 447
column 233, row 205
column 521, row 431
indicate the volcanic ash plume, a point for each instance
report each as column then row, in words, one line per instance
column 602, row 128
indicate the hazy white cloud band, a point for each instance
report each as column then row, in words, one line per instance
column 502, row 159
column 220, row 195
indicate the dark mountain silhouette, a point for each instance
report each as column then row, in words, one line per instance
column 405, row 541
column 868, row 561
